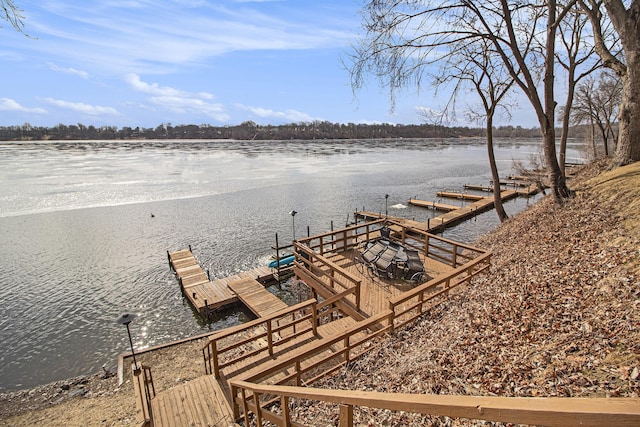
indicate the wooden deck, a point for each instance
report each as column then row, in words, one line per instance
column 375, row 292
column 449, row 219
column 433, row 205
column 253, row 294
column 200, row 402
column 206, row 295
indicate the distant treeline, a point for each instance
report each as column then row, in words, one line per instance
column 250, row 130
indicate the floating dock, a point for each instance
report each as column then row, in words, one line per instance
column 433, row 205
column 207, row 295
column 455, row 216
column 253, row 294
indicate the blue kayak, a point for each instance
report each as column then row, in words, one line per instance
column 283, row 261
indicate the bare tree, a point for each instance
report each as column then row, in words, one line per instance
column 597, row 102
column 476, row 65
column 625, row 17
column 577, row 60
column 404, row 38
column 10, row 13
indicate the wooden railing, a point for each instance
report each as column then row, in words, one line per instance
column 553, row 411
column 322, row 273
column 144, row 391
column 438, row 248
column 344, row 238
column 274, row 330
column 324, row 358
column 412, row 304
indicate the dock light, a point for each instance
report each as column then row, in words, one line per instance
column 386, row 205
column 293, row 225
column 125, row 319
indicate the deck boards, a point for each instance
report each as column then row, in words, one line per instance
column 200, row 402
column 451, row 218
column 253, row 294
column 376, row 292
column 205, row 294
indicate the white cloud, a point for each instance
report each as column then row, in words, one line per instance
column 177, row 100
column 7, row 104
column 80, row 107
column 171, row 34
column 287, row 115
column 72, row 71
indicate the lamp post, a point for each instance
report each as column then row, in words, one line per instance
column 386, row 205
column 293, row 225
column 125, row 319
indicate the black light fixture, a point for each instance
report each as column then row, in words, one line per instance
column 125, row 319
column 293, row 219
column 386, row 205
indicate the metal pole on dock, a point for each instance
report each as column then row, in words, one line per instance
column 278, row 258
column 386, row 205
column 293, row 220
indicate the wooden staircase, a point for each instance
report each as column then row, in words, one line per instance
column 246, row 352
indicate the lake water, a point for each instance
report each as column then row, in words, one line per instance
column 85, row 227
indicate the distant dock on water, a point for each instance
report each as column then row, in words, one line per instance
column 456, row 214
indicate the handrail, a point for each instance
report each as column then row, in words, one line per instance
column 327, row 262
column 144, row 391
column 307, row 259
column 212, row 354
column 550, row 411
column 294, row 365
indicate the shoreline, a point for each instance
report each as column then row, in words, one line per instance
column 98, row 399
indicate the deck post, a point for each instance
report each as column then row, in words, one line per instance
column 314, row 317
column 278, row 258
column 346, row 416
column 455, row 255
column 270, row 337
column 213, row 344
column 284, row 404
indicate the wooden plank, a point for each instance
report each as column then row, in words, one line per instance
column 433, row 205
column 464, row 196
column 253, row 294
column 197, row 402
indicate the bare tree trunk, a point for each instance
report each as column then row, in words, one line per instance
column 566, row 115
column 628, row 147
column 497, row 197
column 593, row 139
column 558, row 182
column 627, row 24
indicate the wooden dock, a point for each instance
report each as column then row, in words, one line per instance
column 433, row 205
column 253, row 294
column 480, row 204
column 207, row 295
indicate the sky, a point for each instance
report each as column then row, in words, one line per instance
column 150, row 62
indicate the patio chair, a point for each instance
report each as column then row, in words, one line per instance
column 372, row 253
column 414, row 267
column 385, row 265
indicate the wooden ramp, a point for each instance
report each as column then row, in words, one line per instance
column 253, row 294
column 200, row 402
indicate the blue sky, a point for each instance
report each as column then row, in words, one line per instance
column 147, row 62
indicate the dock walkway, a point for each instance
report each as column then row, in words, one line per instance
column 206, row 295
column 253, row 294
column 451, row 218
